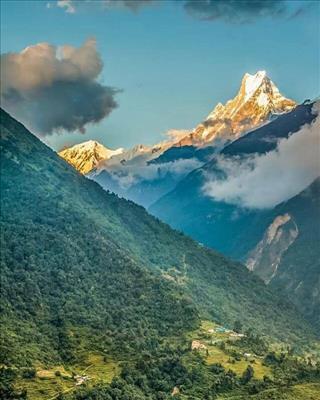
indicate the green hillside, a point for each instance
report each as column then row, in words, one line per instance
column 66, row 283
column 84, row 272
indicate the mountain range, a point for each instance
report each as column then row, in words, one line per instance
column 264, row 237
column 172, row 180
column 93, row 282
column 145, row 173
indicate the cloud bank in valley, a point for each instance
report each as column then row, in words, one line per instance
column 264, row 181
column 127, row 176
column 52, row 89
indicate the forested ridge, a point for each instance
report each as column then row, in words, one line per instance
column 82, row 270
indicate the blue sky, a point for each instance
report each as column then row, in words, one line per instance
column 172, row 68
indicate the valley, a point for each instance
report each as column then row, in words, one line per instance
column 150, row 287
column 160, row 200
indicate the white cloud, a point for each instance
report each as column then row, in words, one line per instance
column 126, row 176
column 67, row 5
column 264, row 181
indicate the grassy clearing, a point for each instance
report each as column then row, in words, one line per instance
column 215, row 355
column 218, row 356
column 45, row 388
column 307, row 391
column 48, row 383
column 98, row 369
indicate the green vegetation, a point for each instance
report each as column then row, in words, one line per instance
column 92, row 281
column 228, row 350
column 50, row 383
column 180, row 372
column 308, row 391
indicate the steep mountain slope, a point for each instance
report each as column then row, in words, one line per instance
column 134, row 175
column 214, row 222
column 288, row 256
column 95, row 271
column 176, row 153
column 87, row 155
column 67, row 283
column 257, row 100
column 144, row 192
column 265, row 139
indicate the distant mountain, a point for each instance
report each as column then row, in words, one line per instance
column 175, row 153
column 145, row 173
column 236, row 230
column 93, row 157
column 137, row 155
column 141, row 175
column 87, row 155
column 213, row 222
column 266, row 138
column 257, row 100
column 98, row 273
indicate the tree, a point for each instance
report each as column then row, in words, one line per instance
column 237, row 327
column 29, row 373
column 248, row 374
column 7, row 390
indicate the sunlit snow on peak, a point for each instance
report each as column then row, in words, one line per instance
column 252, row 82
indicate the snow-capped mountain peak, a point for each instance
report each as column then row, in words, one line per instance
column 257, row 100
column 87, row 155
column 252, row 82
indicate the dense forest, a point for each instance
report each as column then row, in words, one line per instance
column 83, row 271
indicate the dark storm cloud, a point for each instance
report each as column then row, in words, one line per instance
column 51, row 89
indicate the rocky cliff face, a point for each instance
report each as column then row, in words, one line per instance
column 266, row 257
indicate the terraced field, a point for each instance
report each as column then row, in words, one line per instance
column 49, row 383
